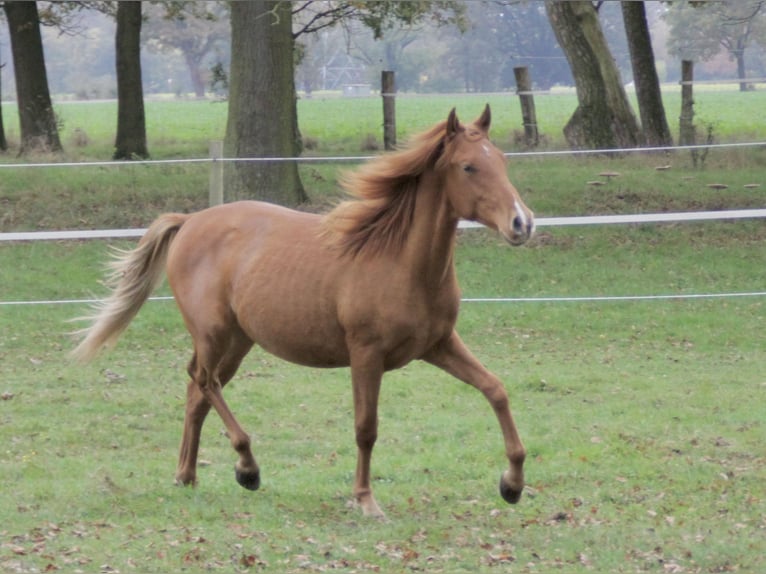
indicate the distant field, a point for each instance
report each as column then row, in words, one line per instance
column 183, row 128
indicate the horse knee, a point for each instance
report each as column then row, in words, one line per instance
column 366, row 435
column 497, row 397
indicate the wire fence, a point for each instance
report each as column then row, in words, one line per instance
column 642, row 218
column 552, row 299
column 361, row 158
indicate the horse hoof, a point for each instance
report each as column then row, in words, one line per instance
column 184, row 478
column 249, row 480
column 510, row 495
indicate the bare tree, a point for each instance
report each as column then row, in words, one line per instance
column 130, row 142
column 700, row 29
column 37, row 120
column 262, row 120
column 3, row 141
column 603, row 118
column 263, row 116
column 196, row 29
column 654, row 123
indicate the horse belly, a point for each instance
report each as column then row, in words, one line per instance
column 300, row 342
column 292, row 315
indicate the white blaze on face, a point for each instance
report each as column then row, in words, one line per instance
column 485, row 147
column 521, row 214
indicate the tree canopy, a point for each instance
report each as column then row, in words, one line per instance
column 701, row 30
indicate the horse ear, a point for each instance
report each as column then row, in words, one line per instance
column 453, row 124
column 486, row 118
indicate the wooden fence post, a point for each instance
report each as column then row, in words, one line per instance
column 216, row 173
column 388, row 92
column 528, row 115
column 686, row 134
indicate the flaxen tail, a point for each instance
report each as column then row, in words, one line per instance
column 134, row 275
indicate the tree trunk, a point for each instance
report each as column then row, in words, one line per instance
column 603, row 119
column 130, row 142
column 653, row 119
column 3, row 141
column 687, row 132
column 263, row 116
column 195, row 73
column 37, row 120
column 739, row 56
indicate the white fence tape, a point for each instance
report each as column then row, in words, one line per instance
column 540, row 222
column 74, row 234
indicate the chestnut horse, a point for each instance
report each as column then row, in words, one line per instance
column 370, row 285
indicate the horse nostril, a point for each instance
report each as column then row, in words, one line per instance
column 519, row 225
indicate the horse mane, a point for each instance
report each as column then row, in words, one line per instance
column 378, row 217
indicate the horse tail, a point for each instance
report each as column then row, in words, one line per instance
column 133, row 276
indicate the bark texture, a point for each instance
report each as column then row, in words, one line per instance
column 37, row 120
column 263, row 117
column 654, row 123
column 603, row 118
column 130, row 142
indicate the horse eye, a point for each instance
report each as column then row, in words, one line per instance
column 468, row 168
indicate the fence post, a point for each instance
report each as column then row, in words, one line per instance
column 528, row 115
column 686, row 134
column 388, row 92
column 216, row 173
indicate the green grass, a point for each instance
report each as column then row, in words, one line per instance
column 133, row 195
column 643, row 420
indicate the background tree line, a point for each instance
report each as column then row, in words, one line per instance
column 433, row 45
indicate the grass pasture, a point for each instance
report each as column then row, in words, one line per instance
column 643, row 420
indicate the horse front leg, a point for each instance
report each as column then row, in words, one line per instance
column 454, row 357
column 366, row 376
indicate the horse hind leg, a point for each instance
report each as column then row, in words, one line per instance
column 197, row 408
column 208, row 377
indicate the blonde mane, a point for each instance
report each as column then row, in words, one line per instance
column 379, row 217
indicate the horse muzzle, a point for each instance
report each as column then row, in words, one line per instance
column 522, row 227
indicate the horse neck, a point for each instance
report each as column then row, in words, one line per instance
column 430, row 247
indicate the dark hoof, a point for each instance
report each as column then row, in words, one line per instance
column 510, row 495
column 248, row 480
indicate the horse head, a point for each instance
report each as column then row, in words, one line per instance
column 476, row 180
